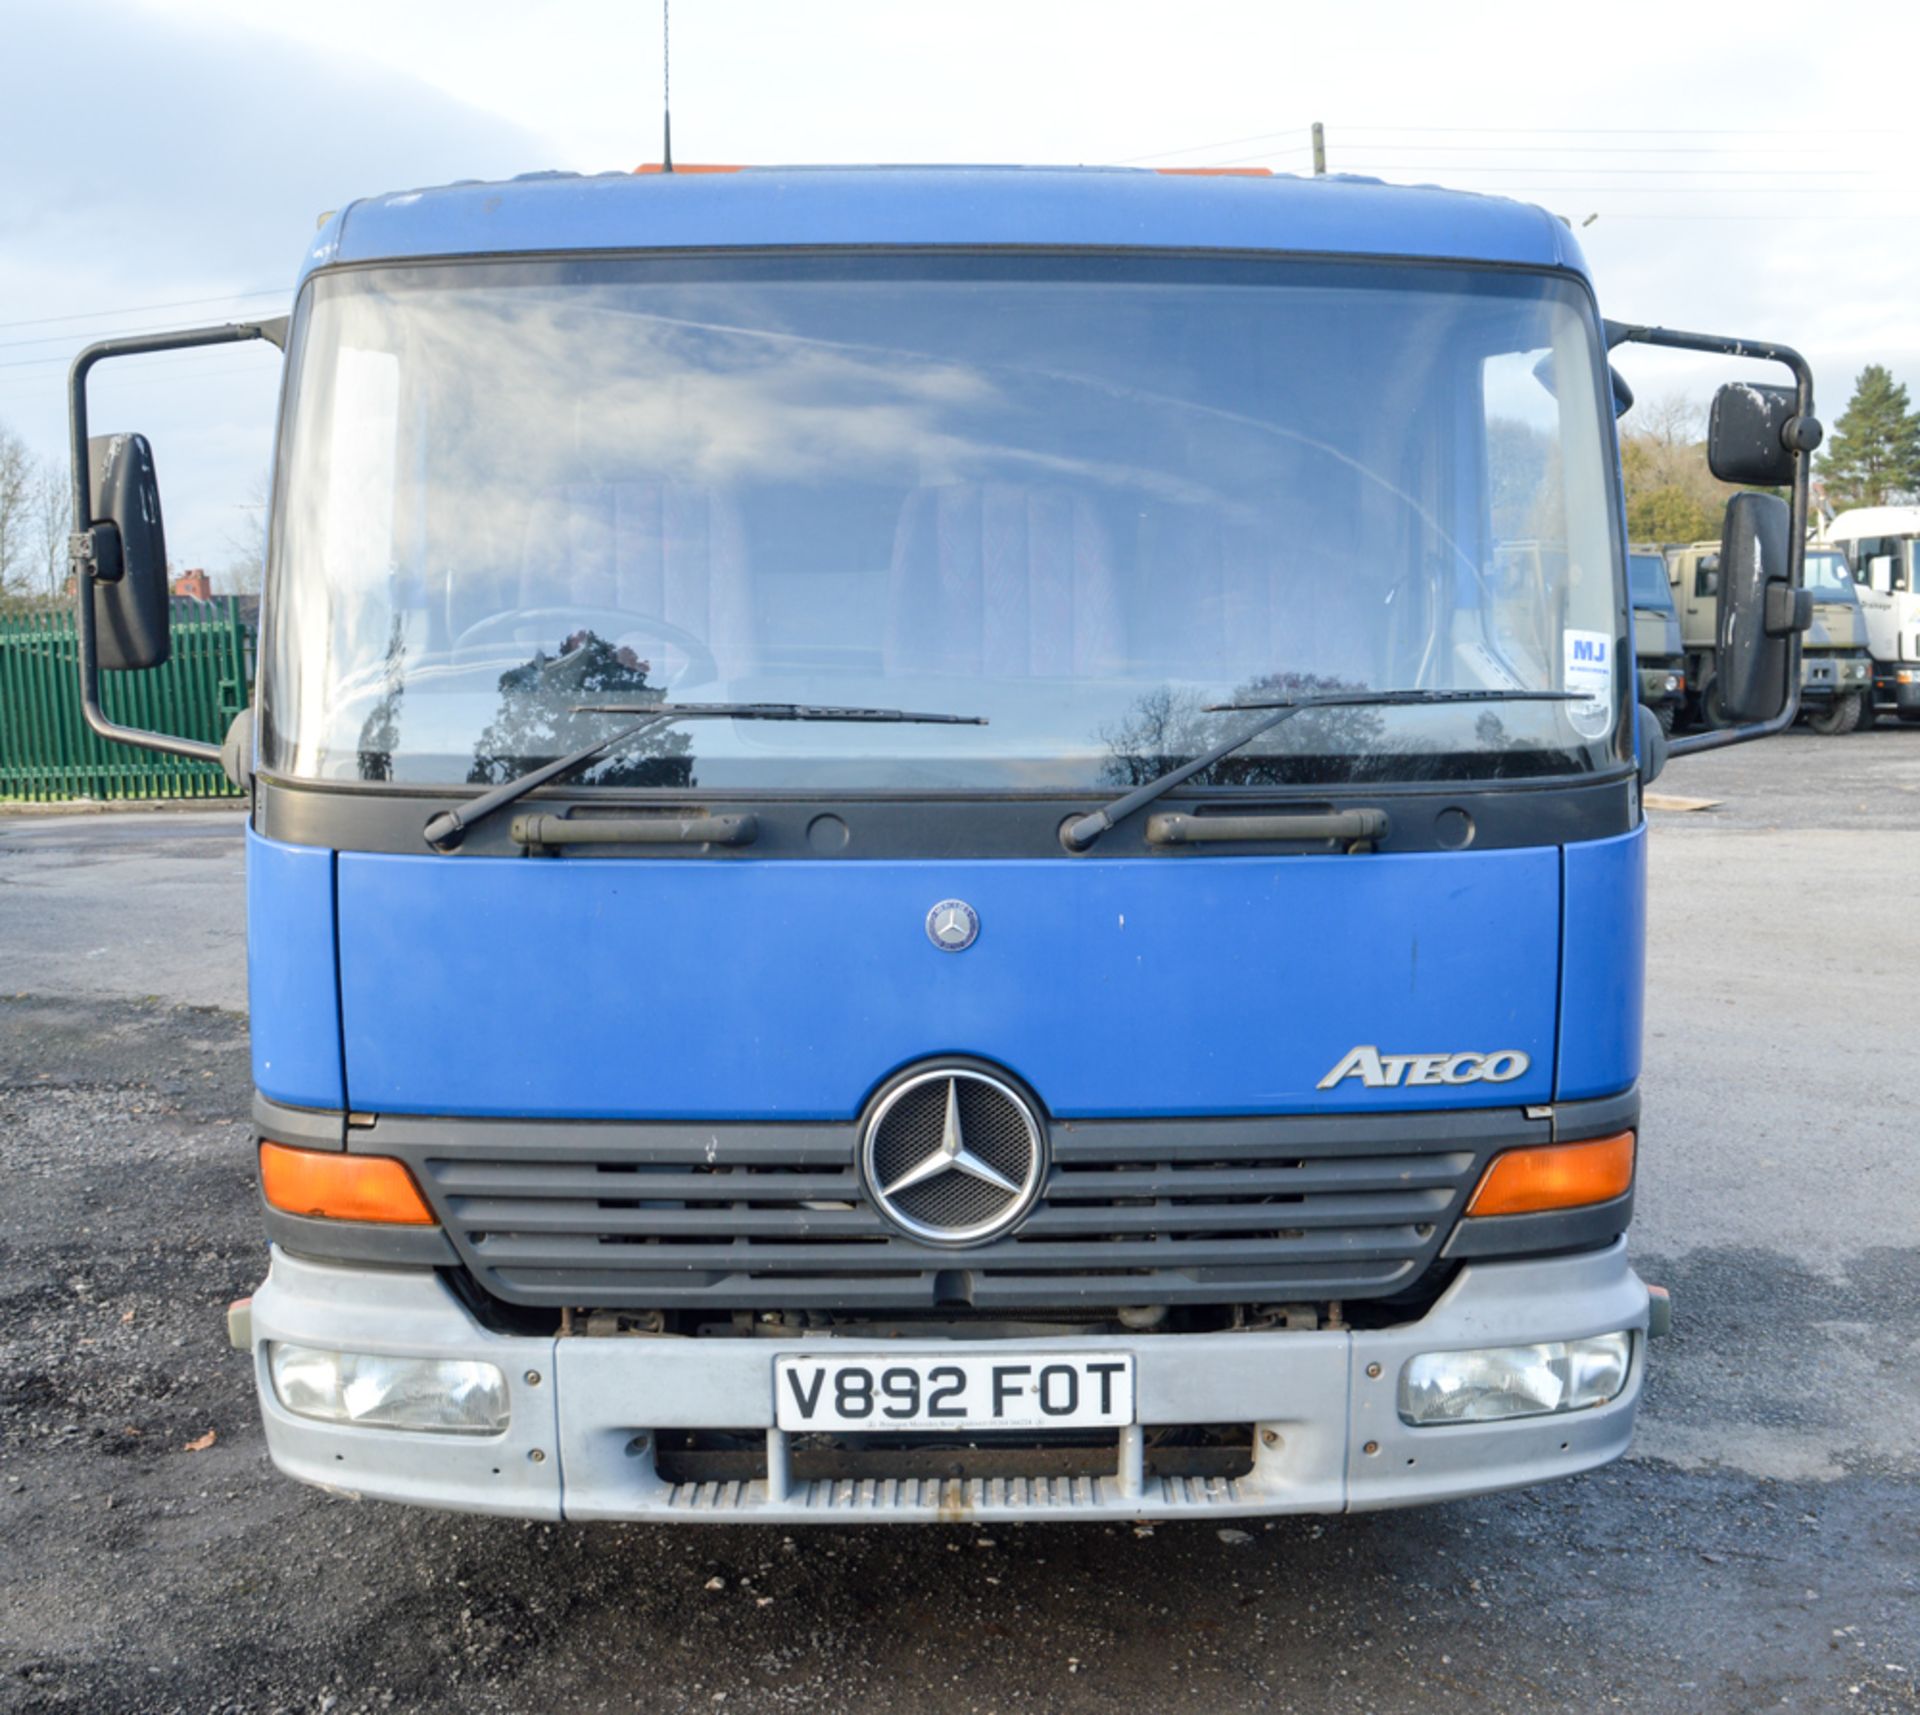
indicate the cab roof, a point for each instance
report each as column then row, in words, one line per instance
column 1050, row 207
column 1863, row 521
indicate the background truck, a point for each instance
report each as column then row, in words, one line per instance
column 1658, row 653
column 1835, row 669
column 1882, row 546
column 911, row 858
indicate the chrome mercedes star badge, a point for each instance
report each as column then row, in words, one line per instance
column 951, row 1153
column 953, row 926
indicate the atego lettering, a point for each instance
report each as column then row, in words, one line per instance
column 1379, row 1071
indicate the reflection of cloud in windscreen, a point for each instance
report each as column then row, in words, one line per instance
column 705, row 401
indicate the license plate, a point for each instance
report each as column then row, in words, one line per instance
column 971, row 1391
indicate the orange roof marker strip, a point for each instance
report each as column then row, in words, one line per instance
column 1171, row 172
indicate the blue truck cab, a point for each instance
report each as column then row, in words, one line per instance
column 911, row 854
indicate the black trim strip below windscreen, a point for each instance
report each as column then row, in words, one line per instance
column 1475, row 815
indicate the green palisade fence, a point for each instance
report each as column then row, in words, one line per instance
column 46, row 751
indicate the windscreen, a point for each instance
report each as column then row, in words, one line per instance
column 1094, row 502
column 1827, row 576
column 1647, row 579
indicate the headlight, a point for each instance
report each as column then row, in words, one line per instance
column 1673, row 683
column 1514, row 1381
column 455, row 1396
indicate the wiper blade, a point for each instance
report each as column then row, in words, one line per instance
column 1080, row 834
column 780, row 712
column 445, row 831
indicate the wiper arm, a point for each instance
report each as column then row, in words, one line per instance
column 445, row 831
column 1078, row 835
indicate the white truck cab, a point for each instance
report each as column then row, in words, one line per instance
column 1882, row 545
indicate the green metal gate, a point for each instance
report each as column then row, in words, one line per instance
column 46, row 749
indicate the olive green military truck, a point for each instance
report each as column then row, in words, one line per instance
column 1658, row 653
column 1836, row 670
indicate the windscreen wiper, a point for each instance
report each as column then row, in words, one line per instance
column 1080, row 834
column 445, row 831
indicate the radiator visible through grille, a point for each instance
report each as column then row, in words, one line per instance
column 1269, row 1209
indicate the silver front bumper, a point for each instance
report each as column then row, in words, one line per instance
column 1327, row 1432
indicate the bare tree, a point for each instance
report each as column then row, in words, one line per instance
column 1672, row 420
column 53, row 522
column 247, row 543
column 18, row 549
column 1671, row 495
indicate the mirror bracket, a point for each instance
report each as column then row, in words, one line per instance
column 1799, row 435
column 1788, row 610
column 1802, row 434
column 95, row 551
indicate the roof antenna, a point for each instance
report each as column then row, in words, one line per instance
column 666, row 83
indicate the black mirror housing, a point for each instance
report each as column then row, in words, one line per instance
column 1622, row 393
column 1650, row 746
column 1754, row 432
column 131, row 606
column 1759, row 612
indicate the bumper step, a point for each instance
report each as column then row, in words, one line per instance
column 950, row 1498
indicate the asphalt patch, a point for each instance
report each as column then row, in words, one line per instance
column 140, row 1574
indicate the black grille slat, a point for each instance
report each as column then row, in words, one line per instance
column 1259, row 1179
column 991, row 1292
column 903, row 1253
column 1260, row 1210
column 499, row 1215
column 1409, row 1207
column 565, row 1180
column 1325, row 1137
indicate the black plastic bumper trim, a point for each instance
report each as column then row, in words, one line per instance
column 1536, row 1235
column 302, row 1128
column 359, row 1241
column 1601, row 1116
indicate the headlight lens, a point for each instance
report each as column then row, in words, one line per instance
column 454, row 1396
column 1514, row 1381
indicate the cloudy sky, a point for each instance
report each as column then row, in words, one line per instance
column 164, row 162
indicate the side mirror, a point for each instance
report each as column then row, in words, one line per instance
column 1759, row 610
column 1754, row 433
column 1650, row 745
column 236, row 751
column 119, row 550
column 1710, row 574
column 1622, row 393
column 128, row 548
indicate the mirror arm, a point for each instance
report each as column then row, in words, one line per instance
column 1622, row 333
column 88, row 555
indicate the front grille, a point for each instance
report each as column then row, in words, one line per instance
column 1261, row 1210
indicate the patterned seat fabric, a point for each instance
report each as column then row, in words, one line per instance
column 1002, row 580
column 1240, row 601
column 670, row 550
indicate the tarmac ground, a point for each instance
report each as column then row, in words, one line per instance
column 1759, row 1549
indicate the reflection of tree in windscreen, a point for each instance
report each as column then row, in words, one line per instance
column 381, row 731
column 1169, row 727
column 535, row 722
